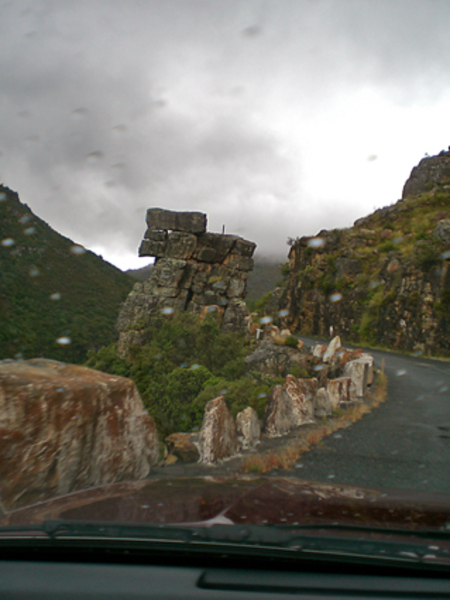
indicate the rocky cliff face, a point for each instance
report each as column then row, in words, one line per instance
column 385, row 280
column 64, row 428
column 194, row 271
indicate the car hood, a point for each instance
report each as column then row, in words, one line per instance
column 244, row 500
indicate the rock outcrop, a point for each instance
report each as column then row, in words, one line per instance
column 194, row 271
column 386, row 280
column 65, row 427
column 181, row 446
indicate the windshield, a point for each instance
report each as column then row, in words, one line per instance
column 224, row 264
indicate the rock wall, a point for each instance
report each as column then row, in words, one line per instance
column 194, row 271
column 386, row 280
column 64, row 428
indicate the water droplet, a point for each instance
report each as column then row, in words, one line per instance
column 445, row 255
column 262, row 395
column 77, row 250
column 265, row 320
column 60, row 389
column 184, row 365
column 443, row 389
column 2, row 196
column 79, row 113
column 158, row 356
column 337, row 435
column 397, row 240
column 55, row 296
column 223, row 392
column 119, row 165
column 211, row 308
column 283, row 313
column 401, row 372
column 25, row 219
column 335, row 297
column 318, row 368
column 222, row 302
column 29, row 230
column 421, row 467
column 144, row 506
column 394, row 452
column 121, row 128
column 331, row 476
column 316, row 242
column 417, row 353
column 18, row 356
column 193, row 367
column 33, row 272
column 168, row 310
column 299, row 466
column 94, row 157
column 64, row 340
column 374, row 284
column 7, row 242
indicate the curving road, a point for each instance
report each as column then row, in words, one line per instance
column 404, row 443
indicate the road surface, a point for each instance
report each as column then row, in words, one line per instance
column 404, row 443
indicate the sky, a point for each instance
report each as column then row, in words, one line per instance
column 277, row 118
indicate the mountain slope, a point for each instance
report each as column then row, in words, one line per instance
column 51, row 289
column 386, row 280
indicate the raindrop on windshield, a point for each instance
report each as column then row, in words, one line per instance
column 79, row 113
column 168, row 310
column 374, row 284
column 77, row 250
column 443, row 389
column 33, row 272
column 318, row 367
column 25, row 219
column 445, row 255
column 64, row 340
column 397, row 240
column 265, row 320
column 211, row 308
column 2, row 196
column 283, row 313
column 222, row 392
column 55, row 296
column 316, row 242
column 194, row 367
column 29, row 230
column 94, row 157
column 401, row 372
column 335, row 297
column 262, row 395
column 7, row 242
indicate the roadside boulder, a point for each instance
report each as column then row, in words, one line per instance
column 322, row 403
column 360, row 372
column 248, row 428
column 65, row 427
column 331, row 350
column 218, row 434
column 182, row 446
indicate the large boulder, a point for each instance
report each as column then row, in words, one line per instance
column 289, row 406
column 338, row 391
column 66, row 427
column 271, row 359
column 360, row 371
column 332, row 349
column 218, row 435
column 322, row 403
column 248, row 428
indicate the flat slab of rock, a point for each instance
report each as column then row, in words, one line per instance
column 169, row 220
column 66, row 427
column 218, row 434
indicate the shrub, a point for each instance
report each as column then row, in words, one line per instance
column 291, row 341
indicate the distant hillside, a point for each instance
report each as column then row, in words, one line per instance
column 56, row 299
column 386, row 280
column 264, row 278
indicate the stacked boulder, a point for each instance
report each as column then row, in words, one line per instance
column 194, row 271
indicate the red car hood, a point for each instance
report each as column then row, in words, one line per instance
column 251, row 500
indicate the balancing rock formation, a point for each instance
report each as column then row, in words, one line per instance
column 194, row 271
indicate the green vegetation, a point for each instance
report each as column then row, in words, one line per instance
column 52, row 289
column 182, row 364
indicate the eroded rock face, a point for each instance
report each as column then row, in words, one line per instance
column 194, row 269
column 248, row 428
column 271, row 359
column 218, row 435
column 66, row 427
column 430, row 170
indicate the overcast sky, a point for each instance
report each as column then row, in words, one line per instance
column 275, row 117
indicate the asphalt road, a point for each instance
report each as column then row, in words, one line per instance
column 404, row 443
